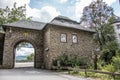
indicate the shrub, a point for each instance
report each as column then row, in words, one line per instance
column 70, row 60
column 109, row 68
column 99, row 64
column 116, row 63
column 118, row 52
column 107, row 55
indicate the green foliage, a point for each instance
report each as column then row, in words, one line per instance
column 113, row 67
column 111, row 45
column 9, row 15
column 70, row 60
column 76, row 70
column 96, row 13
column 109, row 68
column 106, row 56
column 118, row 52
column 95, row 76
column 100, row 64
column 30, row 57
column 100, row 16
column 116, row 63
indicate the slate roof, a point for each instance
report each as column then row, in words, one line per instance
column 60, row 21
column 66, row 22
column 28, row 24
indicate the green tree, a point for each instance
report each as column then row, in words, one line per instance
column 16, row 13
column 96, row 15
column 30, row 57
column 9, row 15
column 100, row 17
column 110, row 45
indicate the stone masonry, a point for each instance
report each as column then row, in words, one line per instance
column 83, row 48
column 46, row 41
column 18, row 35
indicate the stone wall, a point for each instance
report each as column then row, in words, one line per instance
column 47, row 44
column 46, row 47
column 17, row 35
column 83, row 48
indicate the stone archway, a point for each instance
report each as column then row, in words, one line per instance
column 18, row 35
column 24, row 62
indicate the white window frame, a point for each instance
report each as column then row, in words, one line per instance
column 74, row 38
column 63, row 37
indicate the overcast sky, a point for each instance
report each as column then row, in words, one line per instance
column 24, row 51
column 45, row 10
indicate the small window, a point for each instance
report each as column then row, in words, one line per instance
column 74, row 38
column 63, row 38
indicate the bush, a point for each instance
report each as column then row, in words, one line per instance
column 99, row 64
column 118, row 52
column 109, row 68
column 70, row 60
column 116, row 63
column 107, row 55
column 113, row 67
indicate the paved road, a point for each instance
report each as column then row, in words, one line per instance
column 25, row 71
column 35, row 74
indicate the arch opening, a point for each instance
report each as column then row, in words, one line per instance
column 24, row 55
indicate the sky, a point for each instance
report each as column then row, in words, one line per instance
column 24, row 51
column 46, row 10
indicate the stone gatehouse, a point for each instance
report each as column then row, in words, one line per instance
column 49, row 40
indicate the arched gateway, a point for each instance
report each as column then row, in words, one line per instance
column 23, row 32
column 61, row 35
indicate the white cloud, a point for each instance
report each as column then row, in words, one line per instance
column 80, row 4
column 24, row 51
column 44, row 14
column 63, row 1
column 49, row 12
column 33, row 12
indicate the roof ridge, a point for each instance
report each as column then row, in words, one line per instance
column 31, row 21
column 64, row 18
